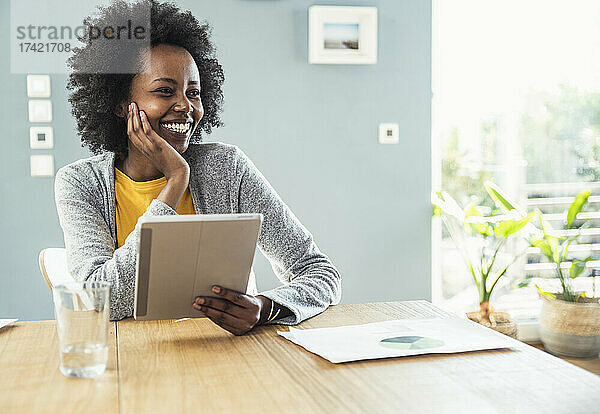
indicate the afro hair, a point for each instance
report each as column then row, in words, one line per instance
column 95, row 97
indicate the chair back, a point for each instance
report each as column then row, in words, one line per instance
column 53, row 265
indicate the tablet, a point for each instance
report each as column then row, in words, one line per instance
column 181, row 257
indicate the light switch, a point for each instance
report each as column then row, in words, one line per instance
column 388, row 133
column 42, row 165
column 38, row 86
column 41, row 137
column 40, row 110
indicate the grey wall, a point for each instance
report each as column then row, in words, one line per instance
column 310, row 129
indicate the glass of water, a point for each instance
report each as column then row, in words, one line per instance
column 82, row 311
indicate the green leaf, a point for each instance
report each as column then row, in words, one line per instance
column 447, row 205
column 507, row 228
column 578, row 266
column 477, row 282
column 543, row 246
column 524, row 282
column 546, row 227
column 481, row 228
column 549, row 295
column 497, row 212
column 553, row 243
column 471, row 211
column 497, row 278
column 496, row 194
column 565, row 247
column 576, row 206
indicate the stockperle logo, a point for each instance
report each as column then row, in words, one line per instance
column 44, row 35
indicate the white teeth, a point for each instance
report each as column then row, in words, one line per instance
column 178, row 127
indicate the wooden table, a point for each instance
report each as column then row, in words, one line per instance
column 193, row 366
column 589, row 364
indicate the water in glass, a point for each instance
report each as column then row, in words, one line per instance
column 82, row 312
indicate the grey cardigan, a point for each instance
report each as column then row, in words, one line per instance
column 222, row 180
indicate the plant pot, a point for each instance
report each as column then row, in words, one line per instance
column 503, row 323
column 571, row 329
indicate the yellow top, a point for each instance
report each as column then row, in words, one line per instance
column 134, row 197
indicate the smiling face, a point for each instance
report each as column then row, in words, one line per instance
column 168, row 91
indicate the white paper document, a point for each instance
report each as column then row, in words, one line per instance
column 397, row 338
column 4, row 322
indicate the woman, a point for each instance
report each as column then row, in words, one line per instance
column 145, row 128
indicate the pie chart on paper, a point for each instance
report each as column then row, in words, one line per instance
column 410, row 342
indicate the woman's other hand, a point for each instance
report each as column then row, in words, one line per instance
column 234, row 311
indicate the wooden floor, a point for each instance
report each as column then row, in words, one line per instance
column 589, row 364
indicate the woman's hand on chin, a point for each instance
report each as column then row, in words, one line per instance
column 234, row 311
column 159, row 152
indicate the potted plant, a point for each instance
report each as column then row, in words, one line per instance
column 490, row 234
column 569, row 321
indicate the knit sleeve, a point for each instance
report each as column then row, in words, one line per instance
column 310, row 281
column 90, row 247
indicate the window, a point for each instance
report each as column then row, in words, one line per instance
column 516, row 100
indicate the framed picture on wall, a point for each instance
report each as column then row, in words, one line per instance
column 342, row 35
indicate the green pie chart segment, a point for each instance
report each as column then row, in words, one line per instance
column 410, row 342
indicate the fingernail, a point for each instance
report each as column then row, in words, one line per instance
column 216, row 289
column 200, row 301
